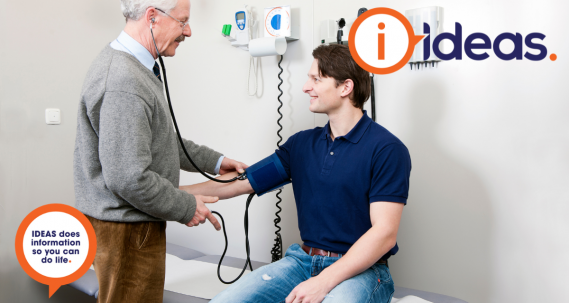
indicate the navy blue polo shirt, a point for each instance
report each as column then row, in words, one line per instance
column 334, row 182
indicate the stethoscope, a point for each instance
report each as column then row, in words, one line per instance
column 242, row 176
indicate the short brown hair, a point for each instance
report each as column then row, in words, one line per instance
column 335, row 61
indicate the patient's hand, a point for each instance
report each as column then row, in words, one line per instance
column 203, row 213
column 313, row 290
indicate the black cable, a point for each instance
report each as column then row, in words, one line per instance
column 277, row 251
column 248, row 261
column 372, row 99
column 239, row 177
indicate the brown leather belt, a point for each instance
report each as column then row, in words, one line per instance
column 318, row 252
column 321, row 252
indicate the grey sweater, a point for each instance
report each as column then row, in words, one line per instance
column 127, row 159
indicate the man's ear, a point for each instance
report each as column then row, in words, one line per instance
column 150, row 16
column 347, row 88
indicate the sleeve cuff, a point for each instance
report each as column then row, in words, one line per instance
column 191, row 210
column 218, row 165
column 388, row 199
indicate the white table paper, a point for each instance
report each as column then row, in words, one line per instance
column 410, row 299
column 196, row 278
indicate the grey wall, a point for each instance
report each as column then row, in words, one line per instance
column 46, row 49
column 487, row 215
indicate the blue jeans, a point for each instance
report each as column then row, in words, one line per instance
column 273, row 283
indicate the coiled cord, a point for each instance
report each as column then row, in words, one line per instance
column 277, row 251
column 246, row 222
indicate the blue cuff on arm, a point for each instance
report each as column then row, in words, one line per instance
column 267, row 175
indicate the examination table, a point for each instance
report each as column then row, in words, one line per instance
column 89, row 285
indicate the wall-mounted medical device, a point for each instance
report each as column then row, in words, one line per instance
column 240, row 34
column 425, row 21
column 267, row 46
column 335, row 31
column 277, row 21
column 277, row 30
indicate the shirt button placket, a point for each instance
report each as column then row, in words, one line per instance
column 329, row 160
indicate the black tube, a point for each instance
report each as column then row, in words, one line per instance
column 239, row 177
column 248, row 260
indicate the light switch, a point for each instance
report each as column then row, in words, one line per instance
column 52, row 116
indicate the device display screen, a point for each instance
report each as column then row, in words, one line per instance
column 240, row 16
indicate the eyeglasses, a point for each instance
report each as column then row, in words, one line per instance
column 182, row 24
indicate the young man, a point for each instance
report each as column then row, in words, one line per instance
column 350, row 181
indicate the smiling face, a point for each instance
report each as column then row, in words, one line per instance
column 168, row 32
column 325, row 96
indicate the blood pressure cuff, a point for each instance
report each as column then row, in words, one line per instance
column 267, row 175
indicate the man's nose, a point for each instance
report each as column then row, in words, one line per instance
column 307, row 87
column 187, row 31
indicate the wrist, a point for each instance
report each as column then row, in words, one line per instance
column 327, row 280
column 187, row 188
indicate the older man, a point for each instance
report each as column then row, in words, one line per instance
column 127, row 159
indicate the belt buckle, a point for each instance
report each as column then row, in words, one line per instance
column 329, row 253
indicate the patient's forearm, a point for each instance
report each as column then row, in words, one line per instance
column 221, row 190
column 362, row 255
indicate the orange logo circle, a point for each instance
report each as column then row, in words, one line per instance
column 54, row 210
column 383, row 53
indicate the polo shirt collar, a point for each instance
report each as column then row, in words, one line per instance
column 355, row 134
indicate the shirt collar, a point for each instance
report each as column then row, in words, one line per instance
column 355, row 134
column 128, row 44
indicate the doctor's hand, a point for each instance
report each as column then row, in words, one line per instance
column 203, row 213
column 312, row 290
column 230, row 165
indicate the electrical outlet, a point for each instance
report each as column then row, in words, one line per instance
column 52, row 116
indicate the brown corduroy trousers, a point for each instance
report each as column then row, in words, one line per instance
column 131, row 261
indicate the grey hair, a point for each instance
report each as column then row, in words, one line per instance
column 135, row 9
